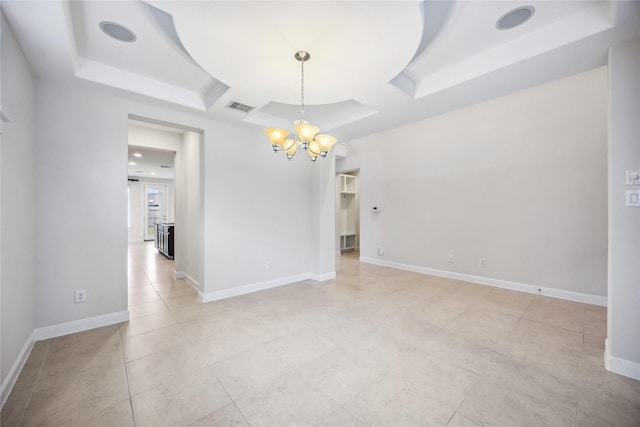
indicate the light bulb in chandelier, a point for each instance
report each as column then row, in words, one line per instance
column 306, row 135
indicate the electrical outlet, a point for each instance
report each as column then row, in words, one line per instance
column 451, row 259
column 483, row 262
column 81, row 295
column 268, row 265
column 380, row 251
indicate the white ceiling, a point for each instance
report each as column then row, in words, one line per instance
column 374, row 64
column 152, row 163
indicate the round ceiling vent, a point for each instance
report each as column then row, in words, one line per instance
column 515, row 17
column 117, row 31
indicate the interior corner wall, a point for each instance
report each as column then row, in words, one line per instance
column 192, row 221
column 18, row 208
column 519, row 180
column 623, row 322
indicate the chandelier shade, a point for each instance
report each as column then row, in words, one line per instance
column 306, row 135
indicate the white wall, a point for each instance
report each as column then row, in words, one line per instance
column 257, row 210
column 18, row 208
column 191, row 225
column 519, row 180
column 323, row 225
column 85, row 203
column 623, row 323
column 257, row 205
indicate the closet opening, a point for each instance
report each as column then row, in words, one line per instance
column 347, row 213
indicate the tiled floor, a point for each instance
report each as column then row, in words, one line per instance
column 376, row 346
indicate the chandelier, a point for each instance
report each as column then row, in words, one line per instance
column 306, row 136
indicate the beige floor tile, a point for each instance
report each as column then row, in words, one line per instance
column 563, row 363
column 217, row 327
column 137, row 346
column 592, row 375
column 506, row 301
column 15, row 407
column 592, row 345
column 364, row 340
column 472, row 289
column 548, row 335
column 340, row 374
column 79, row 398
column 144, row 298
column 485, row 327
column 563, row 314
column 217, row 348
column 163, row 367
column 174, row 289
column 526, row 380
column 182, row 402
column 29, row 375
column 148, row 323
column 459, row 420
column 341, row 418
column 98, row 413
column 105, row 339
column 244, row 373
column 79, row 367
column 488, row 404
column 405, row 326
column 147, row 309
column 596, row 326
column 419, row 391
column 594, row 413
column 183, row 301
column 442, row 309
column 229, row 416
column 451, row 348
column 623, row 390
column 287, row 401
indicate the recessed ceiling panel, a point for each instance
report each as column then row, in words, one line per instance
column 153, row 54
column 353, row 45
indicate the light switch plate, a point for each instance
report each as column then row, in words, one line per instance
column 633, row 177
column 632, row 198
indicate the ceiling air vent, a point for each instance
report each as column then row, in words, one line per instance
column 240, row 107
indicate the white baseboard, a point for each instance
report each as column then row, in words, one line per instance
column 322, row 277
column 498, row 283
column 190, row 280
column 81, row 325
column 253, row 287
column 16, row 368
column 620, row 366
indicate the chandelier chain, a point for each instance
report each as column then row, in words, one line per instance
column 302, row 115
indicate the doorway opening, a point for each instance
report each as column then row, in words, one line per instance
column 165, row 177
column 156, row 208
column 347, row 213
